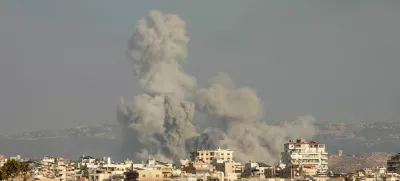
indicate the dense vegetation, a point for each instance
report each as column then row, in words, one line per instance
column 13, row 169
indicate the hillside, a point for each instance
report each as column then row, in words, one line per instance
column 352, row 163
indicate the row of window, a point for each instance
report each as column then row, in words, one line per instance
column 212, row 154
column 220, row 158
column 157, row 175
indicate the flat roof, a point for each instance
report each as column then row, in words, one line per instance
column 306, row 142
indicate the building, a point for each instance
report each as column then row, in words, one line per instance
column 231, row 170
column 340, row 152
column 210, row 156
column 255, row 169
column 145, row 175
column 48, row 160
column 310, row 154
column 16, row 158
column 292, row 171
column 3, row 160
column 393, row 164
column 197, row 167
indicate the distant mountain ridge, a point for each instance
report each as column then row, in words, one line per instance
column 359, row 138
column 98, row 131
column 104, row 139
column 345, row 164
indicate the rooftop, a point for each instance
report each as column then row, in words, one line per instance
column 219, row 149
column 302, row 141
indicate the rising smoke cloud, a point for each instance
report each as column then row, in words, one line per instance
column 159, row 122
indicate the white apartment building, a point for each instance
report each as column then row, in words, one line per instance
column 303, row 153
column 209, row 156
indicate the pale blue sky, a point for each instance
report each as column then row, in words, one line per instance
column 62, row 62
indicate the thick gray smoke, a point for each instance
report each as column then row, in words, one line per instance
column 239, row 111
column 159, row 122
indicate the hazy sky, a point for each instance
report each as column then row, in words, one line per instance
column 62, row 63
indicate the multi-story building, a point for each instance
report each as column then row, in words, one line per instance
column 146, row 175
column 210, row 156
column 310, row 154
column 232, row 170
column 393, row 164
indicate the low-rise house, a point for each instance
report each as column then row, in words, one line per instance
column 197, row 167
column 255, row 169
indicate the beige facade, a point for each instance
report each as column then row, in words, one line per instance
column 197, row 167
column 230, row 169
column 146, row 175
column 210, row 156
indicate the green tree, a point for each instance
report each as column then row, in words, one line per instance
column 2, row 176
column 85, row 171
column 55, row 173
column 10, row 169
column 56, row 161
column 24, row 169
column 55, row 170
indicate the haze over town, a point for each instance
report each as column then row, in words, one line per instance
column 199, row 91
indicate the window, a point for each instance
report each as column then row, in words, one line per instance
column 143, row 175
column 228, row 154
column 165, row 175
column 157, row 175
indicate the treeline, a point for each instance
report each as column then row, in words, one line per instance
column 14, row 169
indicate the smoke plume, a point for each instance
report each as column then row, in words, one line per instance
column 159, row 122
column 160, row 119
column 238, row 112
